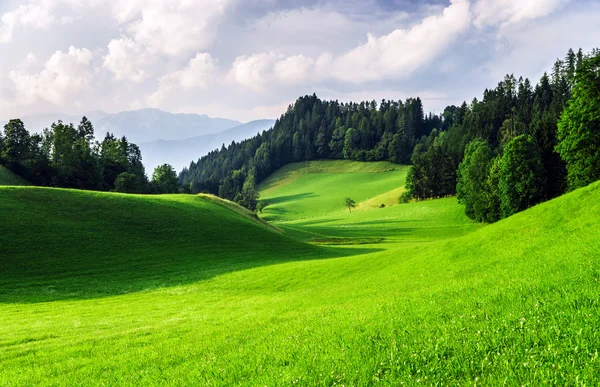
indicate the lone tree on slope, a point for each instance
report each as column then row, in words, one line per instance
column 350, row 204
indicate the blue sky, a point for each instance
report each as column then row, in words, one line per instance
column 249, row 59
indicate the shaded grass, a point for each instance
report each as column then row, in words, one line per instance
column 346, row 241
column 9, row 178
column 59, row 244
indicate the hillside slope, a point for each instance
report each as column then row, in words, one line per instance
column 9, row 178
column 513, row 303
column 71, row 244
column 317, row 188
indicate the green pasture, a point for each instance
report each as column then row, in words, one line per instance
column 112, row 289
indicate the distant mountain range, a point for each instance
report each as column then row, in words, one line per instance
column 163, row 137
column 139, row 125
column 180, row 153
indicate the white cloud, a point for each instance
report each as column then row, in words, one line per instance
column 531, row 49
column 157, row 30
column 403, row 51
column 256, row 54
column 197, row 74
column 270, row 70
column 127, row 60
column 32, row 15
column 294, row 69
column 252, row 71
column 124, row 11
column 395, row 55
column 172, row 27
column 30, row 60
column 63, row 77
column 507, row 12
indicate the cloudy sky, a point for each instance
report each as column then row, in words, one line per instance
column 248, row 59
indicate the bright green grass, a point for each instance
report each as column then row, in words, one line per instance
column 9, row 178
column 292, row 172
column 292, row 193
column 67, row 244
column 420, row 222
column 179, row 290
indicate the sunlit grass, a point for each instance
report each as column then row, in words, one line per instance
column 132, row 290
column 295, row 193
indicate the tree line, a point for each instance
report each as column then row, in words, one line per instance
column 69, row 156
column 313, row 129
column 518, row 146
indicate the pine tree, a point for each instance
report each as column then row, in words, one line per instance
column 471, row 187
column 521, row 177
column 579, row 127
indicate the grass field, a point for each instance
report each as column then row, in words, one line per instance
column 108, row 289
column 9, row 178
column 296, row 192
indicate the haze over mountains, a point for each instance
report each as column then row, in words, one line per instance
column 179, row 153
column 139, row 125
column 163, row 137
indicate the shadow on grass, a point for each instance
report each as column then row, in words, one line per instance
column 289, row 198
column 336, row 222
column 97, row 276
column 76, row 245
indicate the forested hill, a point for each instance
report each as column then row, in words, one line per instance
column 516, row 115
column 315, row 129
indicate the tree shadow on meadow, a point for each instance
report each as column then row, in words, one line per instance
column 289, row 198
column 98, row 275
column 73, row 245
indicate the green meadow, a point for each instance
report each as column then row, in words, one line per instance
column 114, row 289
column 318, row 188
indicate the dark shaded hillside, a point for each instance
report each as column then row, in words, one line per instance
column 9, row 178
column 78, row 244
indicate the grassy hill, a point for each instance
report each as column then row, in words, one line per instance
column 182, row 290
column 9, row 178
column 305, row 190
column 77, row 244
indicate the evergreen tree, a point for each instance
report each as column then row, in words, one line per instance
column 248, row 197
column 492, row 191
column 351, row 143
column 164, row 180
column 579, row 127
column 1, row 147
column 521, row 178
column 128, row 183
column 16, row 143
column 472, row 188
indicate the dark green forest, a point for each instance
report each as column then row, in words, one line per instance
column 68, row 156
column 520, row 145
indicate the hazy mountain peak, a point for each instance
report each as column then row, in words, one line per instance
column 142, row 125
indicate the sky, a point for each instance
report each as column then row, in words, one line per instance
column 250, row 59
